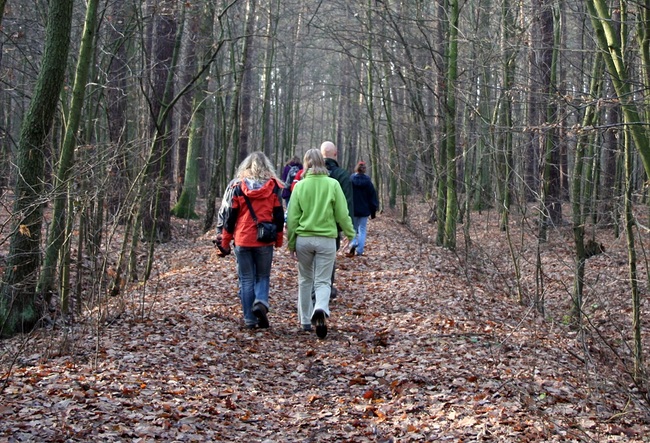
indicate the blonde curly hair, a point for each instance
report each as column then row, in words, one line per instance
column 256, row 166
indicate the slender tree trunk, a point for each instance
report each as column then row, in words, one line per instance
column 397, row 185
column 191, row 30
column 66, row 161
column 450, row 126
column 632, row 261
column 441, row 146
column 116, row 93
column 269, row 58
column 247, row 81
column 611, row 153
column 2, row 10
column 546, row 69
column 608, row 41
column 579, row 197
column 370, row 109
column 505, row 162
column 611, row 45
column 184, row 208
column 156, row 221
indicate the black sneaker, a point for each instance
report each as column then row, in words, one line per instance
column 351, row 252
column 307, row 328
column 259, row 311
column 318, row 319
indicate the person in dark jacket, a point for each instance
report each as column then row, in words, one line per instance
column 365, row 205
column 288, row 174
column 257, row 187
column 330, row 154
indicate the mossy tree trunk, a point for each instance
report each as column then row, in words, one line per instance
column 610, row 44
column 18, row 307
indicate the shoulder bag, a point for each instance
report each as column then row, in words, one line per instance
column 267, row 232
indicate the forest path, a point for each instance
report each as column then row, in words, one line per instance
column 418, row 349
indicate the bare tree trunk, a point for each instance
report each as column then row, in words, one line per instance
column 580, row 195
column 630, row 223
column 505, row 161
column 545, row 69
column 611, row 149
column 156, row 221
column 247, row 81
column 269, row 58
column 66, row 160
column 450, row 126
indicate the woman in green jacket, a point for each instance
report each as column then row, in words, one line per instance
column 317, row 206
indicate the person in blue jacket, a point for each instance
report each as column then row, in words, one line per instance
column 365, row 205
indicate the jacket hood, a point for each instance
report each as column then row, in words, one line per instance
column 359, row 179
column 331, row 163
column 255, row 189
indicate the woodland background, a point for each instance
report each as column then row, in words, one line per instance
column 509, row 138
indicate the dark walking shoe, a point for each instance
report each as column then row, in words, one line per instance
column 318, row 320
column 307, row 328
column 351, row 252
column 333, row 292
column 259, row 311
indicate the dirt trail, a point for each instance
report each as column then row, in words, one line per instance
column 418, row 349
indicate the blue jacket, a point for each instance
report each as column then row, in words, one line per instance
column 365, row 196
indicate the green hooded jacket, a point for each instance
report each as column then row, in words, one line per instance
column 317, row 206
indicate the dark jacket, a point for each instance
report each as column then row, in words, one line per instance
column 365, row 196
column 343, row 177
column 286, row 192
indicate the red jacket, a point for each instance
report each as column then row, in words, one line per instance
column 239, row 224
column 297, row 178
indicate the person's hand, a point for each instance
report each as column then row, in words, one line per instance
column 293, row 255
column 224, row 251
column 221, row 250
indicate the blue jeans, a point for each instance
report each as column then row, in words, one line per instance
column 360, row 224
column 254, row 269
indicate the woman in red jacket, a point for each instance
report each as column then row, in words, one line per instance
column 255, row 199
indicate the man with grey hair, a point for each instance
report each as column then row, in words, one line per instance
column 330, row 153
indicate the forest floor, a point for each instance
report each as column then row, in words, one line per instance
column 424, row 345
